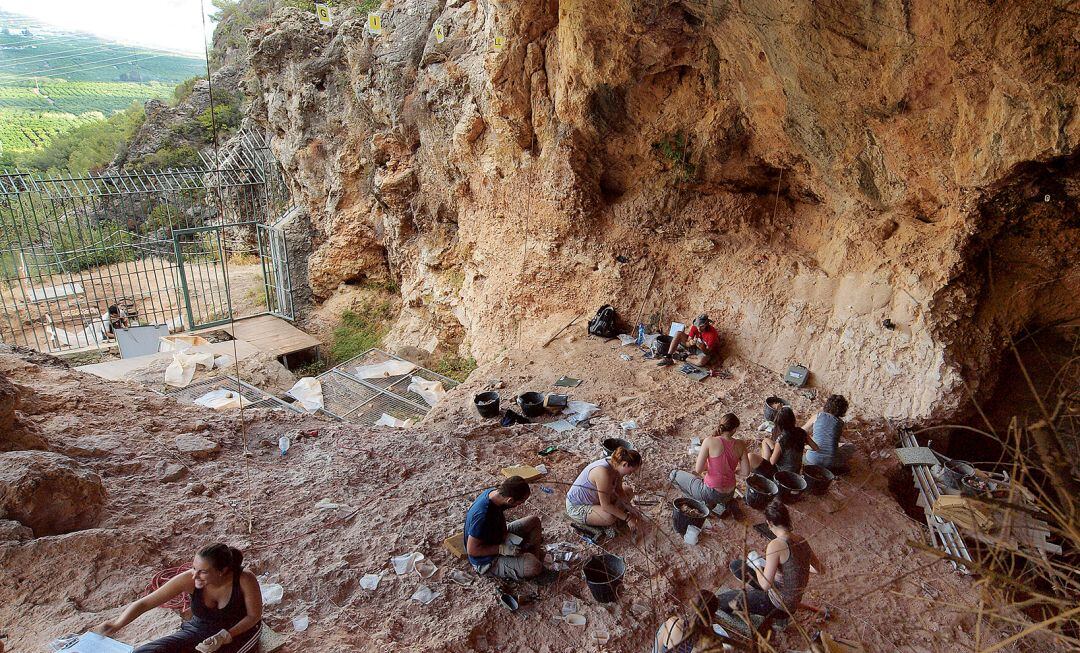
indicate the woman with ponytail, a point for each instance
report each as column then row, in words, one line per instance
column 226, row 606
column 598, row 498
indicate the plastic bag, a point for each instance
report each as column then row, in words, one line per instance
column 383, row 370
column 308, row 391
column 582, row 410
column 405, row 562
column 179, row 372
column 431, row 391
column 424, row 595
column 221, row 398
column 272, row 593
column 393, row 422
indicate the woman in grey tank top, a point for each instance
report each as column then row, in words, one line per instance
column 825, row 428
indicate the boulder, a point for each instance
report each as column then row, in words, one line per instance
column 49, row 492
column 170, row 472
column 14, row 434
column 9, row 401
column 92, row 446
column 197, row 447
column 13, row 531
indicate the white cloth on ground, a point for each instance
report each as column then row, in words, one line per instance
column 308, row 391
column 431, row 391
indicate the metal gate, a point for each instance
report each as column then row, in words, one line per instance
column 157, row 247
column 274, row 258
column 204, row 282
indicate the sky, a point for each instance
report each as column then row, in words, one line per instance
column 162, row 24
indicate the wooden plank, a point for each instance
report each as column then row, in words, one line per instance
column 269, row 334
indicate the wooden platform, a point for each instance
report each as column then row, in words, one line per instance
column 268, row 334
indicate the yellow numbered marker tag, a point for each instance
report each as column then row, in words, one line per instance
column 440, row 34
column 374, row 23
column 323, row 12
column 500, row 41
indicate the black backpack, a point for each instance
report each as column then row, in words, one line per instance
column 603, row 324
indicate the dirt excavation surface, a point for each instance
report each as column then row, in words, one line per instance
column 344, row 500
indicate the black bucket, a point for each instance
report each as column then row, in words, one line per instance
column 818, row 478
column 661, row 346
column 681, row 517
column 532, row 403
column 604, row 574
column 487, row 404
column 791, row 486
column 770, row 411
column 611, row 444
column 759, row 491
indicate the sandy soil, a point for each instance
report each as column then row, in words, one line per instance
column 153, row 285
column 404, row 491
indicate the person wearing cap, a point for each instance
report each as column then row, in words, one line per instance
column 703, row 341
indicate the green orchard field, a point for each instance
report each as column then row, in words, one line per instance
column 52, row 82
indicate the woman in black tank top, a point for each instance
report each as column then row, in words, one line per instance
column 226, row 607
column 777, row 589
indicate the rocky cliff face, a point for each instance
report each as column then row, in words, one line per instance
column 800, row 172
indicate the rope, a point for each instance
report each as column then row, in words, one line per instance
column 182, row 601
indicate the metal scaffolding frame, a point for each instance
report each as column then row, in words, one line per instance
column 154, row 246
column 258, row 398
column 347, row 397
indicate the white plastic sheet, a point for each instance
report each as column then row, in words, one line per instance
column 383, row 370
column 308, row 391
column 221, row 399
column 425, row 595
column 89, row 336
column 581, row 410
column 271, row 593
column 431, row 391
column 182, row 368
column 393, row 422
column 405, row 562
column 179, row 372
column 180, row 343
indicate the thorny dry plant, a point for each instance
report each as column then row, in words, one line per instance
column 1023, row 590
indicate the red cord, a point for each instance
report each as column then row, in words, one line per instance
column 179, row 603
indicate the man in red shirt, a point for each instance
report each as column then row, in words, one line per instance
column 703, row 341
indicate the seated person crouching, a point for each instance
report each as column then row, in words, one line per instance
column 787, row 555
column 721, row 455
column 690, row 633
column 785, row 452
column 598, row 498
column 509, row 551
column 702, row 340
column 825, row 429
column 226, row 607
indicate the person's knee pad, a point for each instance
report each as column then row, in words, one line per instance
column 674, row 473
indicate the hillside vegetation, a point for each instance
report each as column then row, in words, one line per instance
column 52, row 83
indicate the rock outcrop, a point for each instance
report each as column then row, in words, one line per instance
column 14, row 434
column 49, row 493
column 885, row 192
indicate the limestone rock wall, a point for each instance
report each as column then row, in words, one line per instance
column 801, row 172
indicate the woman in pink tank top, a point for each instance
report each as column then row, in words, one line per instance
column 713, row 480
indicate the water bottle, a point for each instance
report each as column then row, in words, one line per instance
column 283, row 444
column 640, row 334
